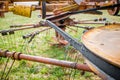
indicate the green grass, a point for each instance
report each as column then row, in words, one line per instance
column 41, row 46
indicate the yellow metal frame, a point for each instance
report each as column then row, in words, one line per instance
column 22, row 10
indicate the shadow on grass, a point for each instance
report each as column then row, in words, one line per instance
column 118, row 15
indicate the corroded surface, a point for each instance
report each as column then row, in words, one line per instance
column 104, row 42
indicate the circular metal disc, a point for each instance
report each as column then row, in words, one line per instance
column 104, row 42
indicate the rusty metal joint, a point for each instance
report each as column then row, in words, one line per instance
column 73, row 65
column 12, row 57
column 36, row 25
column 42, row 23
column 16, row 56
column 4, row 32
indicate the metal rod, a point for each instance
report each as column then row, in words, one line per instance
column 35, row 33
column 91, row 22
column 85, row 27
column 17, row 29
column 72, row 29
column 13, row 26
column 56, row 62
column 95, row 20
column 89, row 55
column 99, row 22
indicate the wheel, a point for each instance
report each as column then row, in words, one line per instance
column 114, row 11
column 43, row 11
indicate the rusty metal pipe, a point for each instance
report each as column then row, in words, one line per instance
column 13, row 26
column 56, row 62
column 96, row 20
column 72, row 29
column 17, row 29
column 91, row 22
column 100, row 22
column 41, row 23
column 35, row 33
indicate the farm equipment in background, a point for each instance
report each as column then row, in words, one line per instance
column 25, row 7
column 105, row 64
column 51, row 7
column 62, row 20
column 61, row 15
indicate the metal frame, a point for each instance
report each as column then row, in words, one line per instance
column 100, row 63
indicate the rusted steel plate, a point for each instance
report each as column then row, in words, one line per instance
column 104, row 42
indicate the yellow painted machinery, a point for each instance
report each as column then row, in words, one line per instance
column 25, row 7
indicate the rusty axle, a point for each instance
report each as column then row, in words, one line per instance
column 62, row 63
column 14, row 26
column 11, row 31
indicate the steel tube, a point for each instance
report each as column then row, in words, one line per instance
column 56, row 62
column 99, row 22
column 12, row 26
column 17, row 29
column 35, row 33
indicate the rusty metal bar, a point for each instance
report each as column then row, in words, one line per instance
column 90, row 22
column 99, row 22
column 62, row 63
column 35, row 33
column 85, row 27
column 14, row 26
column 72, row 29
column 26, row 26
column 4, row 32
column 11, row 31
column 96, row 20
